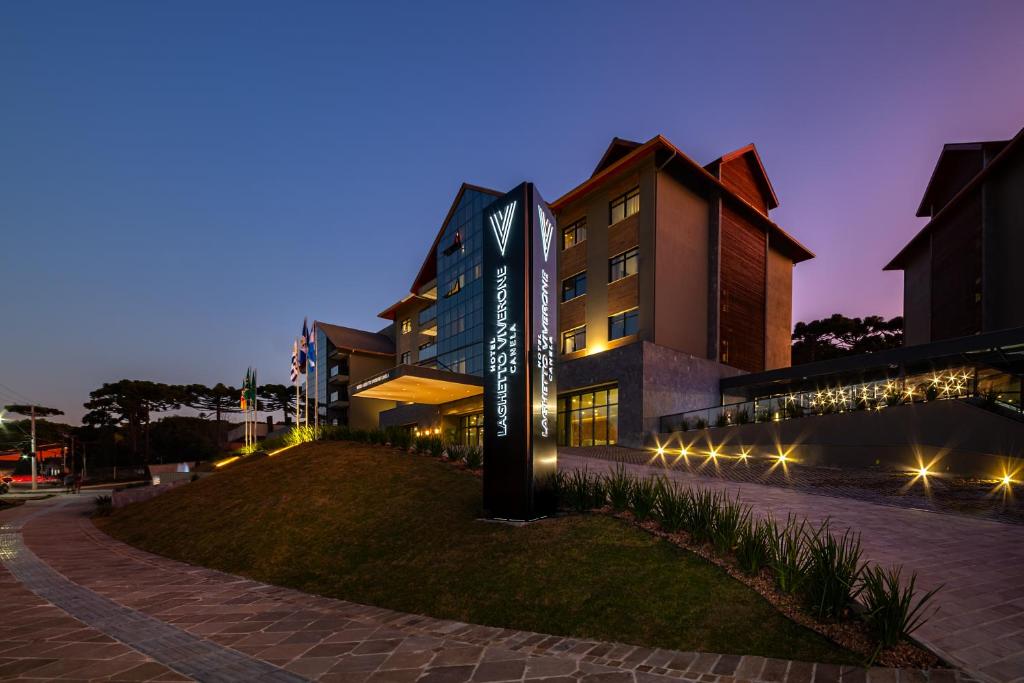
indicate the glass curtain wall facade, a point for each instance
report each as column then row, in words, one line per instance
column 460, row 287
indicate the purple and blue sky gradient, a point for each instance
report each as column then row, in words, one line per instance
column 180, row 183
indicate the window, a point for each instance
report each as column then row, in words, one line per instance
column 589, row 418
column 574, row 339
column 622, row 324
column 574, row 286
column 406, row 325
column 456, row 285
column 624, row 206
column 406, row 357
column 623, row 265
column 472, row 428
column 575, row 233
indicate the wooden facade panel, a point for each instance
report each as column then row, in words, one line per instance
column 623, row 295
column 956, row 272
column 742, row 297
column 572, row 313
column 740, row 175
column 573, row 260
column 623, row 235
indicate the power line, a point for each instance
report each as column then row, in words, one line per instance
column 17, row 394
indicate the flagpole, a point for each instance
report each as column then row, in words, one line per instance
column 298, row 396
column 316, row 384
column 255, row 410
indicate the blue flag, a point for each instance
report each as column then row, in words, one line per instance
column 311, row 350
column 303, row 341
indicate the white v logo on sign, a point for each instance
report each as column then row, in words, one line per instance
column 501, row 223
column 546, row 231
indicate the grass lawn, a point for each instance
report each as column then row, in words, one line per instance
column 375, row 526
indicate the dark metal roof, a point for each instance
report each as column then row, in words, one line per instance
column 1003, row 350
column 353, row 340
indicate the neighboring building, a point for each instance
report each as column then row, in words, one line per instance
column 346, row 356
column 673, row 276
column 963, row 273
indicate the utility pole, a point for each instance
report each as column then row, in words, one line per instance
column 33, row 448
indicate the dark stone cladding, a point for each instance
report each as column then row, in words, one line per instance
column 653, row 381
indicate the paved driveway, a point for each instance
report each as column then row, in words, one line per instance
column 980, row 625
column 78, row 605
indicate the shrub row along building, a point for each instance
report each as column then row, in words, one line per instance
column 676, row 295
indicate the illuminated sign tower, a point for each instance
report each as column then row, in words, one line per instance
column 520, row 328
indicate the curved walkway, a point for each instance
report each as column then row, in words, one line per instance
column 79, row 605
column 979, row 562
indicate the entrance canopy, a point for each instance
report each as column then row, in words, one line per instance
column 416, row 384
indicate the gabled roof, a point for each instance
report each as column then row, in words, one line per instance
column 428, row 271
column 750, row 151
column 673, row 155
column 353, row 340
column 897, row 263
column 952, row 156
column 618, row 148
column 390, row 312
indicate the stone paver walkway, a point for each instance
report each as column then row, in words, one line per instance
column 106, row 611
column 980, row 563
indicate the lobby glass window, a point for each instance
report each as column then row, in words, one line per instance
column 623, row 265
column 574, row 339
column 623, row 324
column 624, row 206
column 574, row 286
column 406, row 326
column 406, row 357
column 471, row 428
column 575, row 233
column 589, row 418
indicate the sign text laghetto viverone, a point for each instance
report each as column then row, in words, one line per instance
column 520, row 324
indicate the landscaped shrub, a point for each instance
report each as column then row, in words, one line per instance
column 889, row 608
column 643, row 497
column 104, row 505
column 673, row 505
column 788, row 553
column 302, row 434
column 833, row 571
column 474, row 457
column 435, row 446
column 729, row 522
column 556, row 484
column 618, row 485
column 701, row 423
column 584, row 491
column 722, row 420
column 752, row 549
column 701, row 515
column 742, row 416
column 455, row 453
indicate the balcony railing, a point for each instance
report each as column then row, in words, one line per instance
column 960, row 383
column 428, row 351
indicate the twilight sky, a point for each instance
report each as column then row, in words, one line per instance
column 182, row 182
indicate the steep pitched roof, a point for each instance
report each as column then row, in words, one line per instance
column 428, row 271
column 1006, row 151
column 786, row 242
column 618, row 148
column 951, row 159
column 761, row 176
column 350, row 339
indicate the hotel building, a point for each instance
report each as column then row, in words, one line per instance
column 673, row 276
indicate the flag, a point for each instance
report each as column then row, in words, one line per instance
column 245, row 389
column 252, row 391
column 303, row 346
column 295, row 361
column 311, row 350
